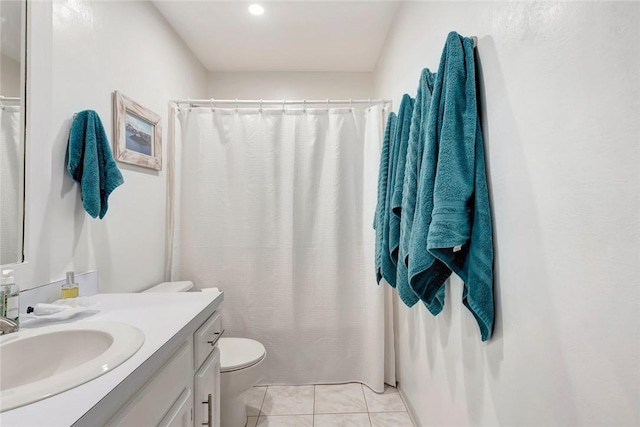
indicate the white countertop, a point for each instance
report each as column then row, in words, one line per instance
column 160, row 316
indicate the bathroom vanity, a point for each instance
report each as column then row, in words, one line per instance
column 172, row 380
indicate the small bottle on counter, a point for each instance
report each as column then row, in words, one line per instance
column 70, row 288
column 10, row 296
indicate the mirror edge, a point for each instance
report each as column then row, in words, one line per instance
column 24, row 37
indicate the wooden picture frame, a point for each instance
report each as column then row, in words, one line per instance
column 137, row 133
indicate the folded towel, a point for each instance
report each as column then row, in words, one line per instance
column 384, row 266
column 91, row 163
column 415, row 148
column 211, row 289
column 460, row 233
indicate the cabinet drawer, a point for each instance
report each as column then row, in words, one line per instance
column 206, row 337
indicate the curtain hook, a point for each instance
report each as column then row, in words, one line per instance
column 189, row 104
column 304, row 106
column 327, row 105
column 260, row 105
column 283, row 102
column 236, row 105
column 212, row 108
column 350, row 105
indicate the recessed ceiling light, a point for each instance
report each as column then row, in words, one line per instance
column 256, row 9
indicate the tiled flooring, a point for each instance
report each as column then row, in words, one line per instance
column 341, row 405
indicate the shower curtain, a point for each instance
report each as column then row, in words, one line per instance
column 11, row 185
column 275, row 207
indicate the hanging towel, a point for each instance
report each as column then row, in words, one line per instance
column 385, row 267
column 427, row 274
column 460, row 234
column 403, row 124
column 415, row 148
column 90, row 162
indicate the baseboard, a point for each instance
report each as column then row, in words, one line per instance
column 409, row 407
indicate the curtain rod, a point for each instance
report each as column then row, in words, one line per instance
column 207, row 102
column 9, row 98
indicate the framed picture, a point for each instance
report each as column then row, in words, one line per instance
column 137, row 132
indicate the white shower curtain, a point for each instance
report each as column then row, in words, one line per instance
column 11, row 185
column 276, row 209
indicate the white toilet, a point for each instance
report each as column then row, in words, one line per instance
column 240, row 366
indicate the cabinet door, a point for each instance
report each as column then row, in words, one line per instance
column 158, row 396
column 207, row 395
column 180, row 414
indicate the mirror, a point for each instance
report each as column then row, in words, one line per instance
column 12, row 129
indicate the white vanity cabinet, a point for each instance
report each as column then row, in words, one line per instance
column 163, row 384
column 185, row 390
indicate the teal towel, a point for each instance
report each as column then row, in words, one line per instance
column 90, row 162
column 403, row 124
column 384, row 265
column 427, row 274
column 415, row 148
column 460, row 233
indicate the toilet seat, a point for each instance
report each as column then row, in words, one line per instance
column 239, row 353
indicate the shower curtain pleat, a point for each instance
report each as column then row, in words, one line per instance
column 275, row 208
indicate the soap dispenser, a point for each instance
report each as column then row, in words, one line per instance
column 10, row 296
column 70, row 288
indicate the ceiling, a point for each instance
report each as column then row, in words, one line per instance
column 331, row 36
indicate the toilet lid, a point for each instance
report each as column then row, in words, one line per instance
column 238, row 353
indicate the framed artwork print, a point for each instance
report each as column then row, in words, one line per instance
column 137, row 133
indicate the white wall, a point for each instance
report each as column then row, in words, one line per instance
column 81, row 52
column 560, row 87
column 290, row 85
column 9, row 76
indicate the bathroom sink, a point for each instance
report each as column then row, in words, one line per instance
column 38, row 363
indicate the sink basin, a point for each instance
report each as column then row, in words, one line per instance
column 38, row 363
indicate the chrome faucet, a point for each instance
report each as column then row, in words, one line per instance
column 8, row 326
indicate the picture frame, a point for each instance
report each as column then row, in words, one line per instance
column 137, row 133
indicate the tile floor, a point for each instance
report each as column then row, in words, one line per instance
column 341, row 405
